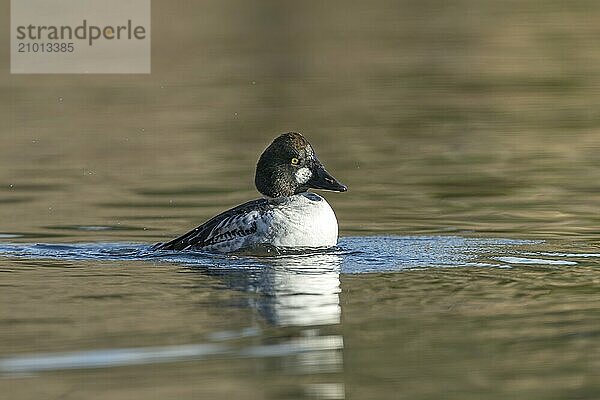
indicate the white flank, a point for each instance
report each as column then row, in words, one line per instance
column 304, row 222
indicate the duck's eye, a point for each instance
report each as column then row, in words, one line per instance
column 295, row 161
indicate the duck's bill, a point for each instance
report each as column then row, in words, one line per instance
column 321, row 179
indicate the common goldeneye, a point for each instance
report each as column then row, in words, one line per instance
column 288, row 215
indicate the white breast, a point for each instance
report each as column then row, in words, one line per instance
column 304, row 220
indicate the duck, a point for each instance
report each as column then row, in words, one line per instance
column 288, row 216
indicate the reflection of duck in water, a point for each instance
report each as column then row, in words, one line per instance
column 300, row 294
column 301, row 290
column 294, row 290
column 289, row 216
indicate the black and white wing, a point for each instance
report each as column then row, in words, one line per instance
column 224, row 230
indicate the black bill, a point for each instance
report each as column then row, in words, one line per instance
column 321, row 179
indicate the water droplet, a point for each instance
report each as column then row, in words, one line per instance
column 60, row 99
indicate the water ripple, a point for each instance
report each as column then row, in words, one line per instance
column 106, row 358
column 358, row 254
column 542, row 261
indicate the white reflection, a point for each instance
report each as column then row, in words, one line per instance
column 304, row 291
column 301, row 290
column 325, row 391
column 293, row 290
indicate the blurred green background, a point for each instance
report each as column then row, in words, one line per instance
column 440, row 116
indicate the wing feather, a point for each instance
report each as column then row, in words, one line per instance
column 232, row 224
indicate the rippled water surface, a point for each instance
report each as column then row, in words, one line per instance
column 468, row 266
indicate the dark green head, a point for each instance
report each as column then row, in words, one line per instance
column 290, row 166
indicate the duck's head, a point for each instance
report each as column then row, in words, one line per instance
column 290, row 166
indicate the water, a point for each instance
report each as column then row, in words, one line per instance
column 375, row 315
column 467, row 268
